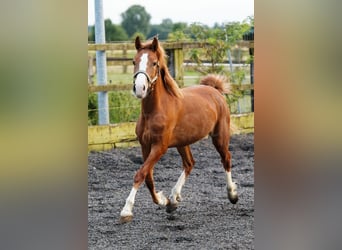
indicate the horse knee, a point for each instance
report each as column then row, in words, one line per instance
column 192, row 162
column 188, row 170
column 188, row 167
column 139, row 178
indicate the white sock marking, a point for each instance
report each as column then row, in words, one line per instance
column 176, row 190
column 230, row 184
column 162, row 200
column 127, row 210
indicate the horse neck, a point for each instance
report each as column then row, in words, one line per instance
column 153, row 101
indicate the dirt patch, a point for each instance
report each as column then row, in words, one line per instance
column 205, row 219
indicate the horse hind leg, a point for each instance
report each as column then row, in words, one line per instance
column 188, row 163
column 221, row 141
column 158, row 198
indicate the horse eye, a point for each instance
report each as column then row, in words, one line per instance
column 155, row 64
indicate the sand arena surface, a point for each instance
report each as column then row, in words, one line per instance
column 205, row 219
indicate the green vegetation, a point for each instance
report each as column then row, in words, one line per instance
column 123, row 107
column 113, row 32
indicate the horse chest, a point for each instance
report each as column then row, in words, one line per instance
column 153, row 130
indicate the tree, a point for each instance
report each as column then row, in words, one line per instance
column 179, row 32
column 180, row 26
column 91, row 34
column 215, row 52
column 235, row 30
column 220, row 38
column 136, row 19
column 168, row 30
column 113, row 32
column 162, row 30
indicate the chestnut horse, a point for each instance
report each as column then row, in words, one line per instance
column 174, row 117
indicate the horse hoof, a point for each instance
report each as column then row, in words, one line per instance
column 125, row 219
column 171, row 207
column 233, row 198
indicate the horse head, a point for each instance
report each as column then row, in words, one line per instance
column 146, row 67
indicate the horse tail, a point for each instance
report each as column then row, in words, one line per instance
column 218, row 82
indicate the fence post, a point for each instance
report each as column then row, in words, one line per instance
column 179, row 70
column 124, row 55
column 249, row 36
column 251, row 52
column 90, row 70
column 175, row 65
column 101, row 64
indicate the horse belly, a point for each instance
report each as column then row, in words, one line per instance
column 191, row 129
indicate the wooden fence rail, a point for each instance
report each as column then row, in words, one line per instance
column 118, row 87
column 106, row 137
column 174, row 50
column 166, row 45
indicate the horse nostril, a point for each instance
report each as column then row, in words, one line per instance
column 144, row 88
column 134, row 88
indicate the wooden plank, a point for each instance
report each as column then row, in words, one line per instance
column 125, row 63
column 107, row 137
column 243, row 87
column 131, row 46
column 112, row 46
column 244, row 123
column 109, row 87
column 178, row 64
column 166, row 45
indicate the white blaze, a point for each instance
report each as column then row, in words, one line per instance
column 143, row 62
column 141, row 84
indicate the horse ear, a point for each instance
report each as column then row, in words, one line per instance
column 137, row 43
column 155, row 44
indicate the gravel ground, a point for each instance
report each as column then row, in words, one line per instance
column 205, row 219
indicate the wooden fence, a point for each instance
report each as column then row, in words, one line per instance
column 106, row 137
column 174, row 50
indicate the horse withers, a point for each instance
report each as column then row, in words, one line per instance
column 174, row 117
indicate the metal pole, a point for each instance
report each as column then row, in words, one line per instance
column 229, row 56
column 252, row 78
column 101, row 64
column 230, row 61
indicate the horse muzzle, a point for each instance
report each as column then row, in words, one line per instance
column 140, row 86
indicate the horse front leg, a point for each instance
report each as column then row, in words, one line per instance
column 145, row 173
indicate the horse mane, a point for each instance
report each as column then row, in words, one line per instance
column 218, row 82
column 169, row 83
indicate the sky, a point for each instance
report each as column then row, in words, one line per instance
column 206, row 12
